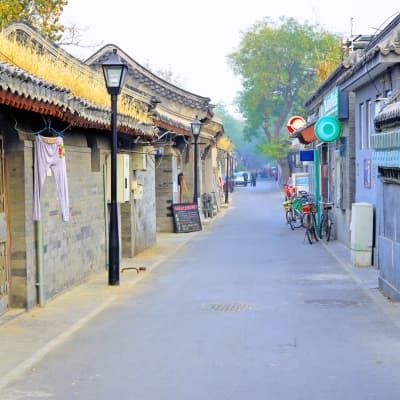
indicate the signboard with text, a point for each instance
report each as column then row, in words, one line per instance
column 186, row 217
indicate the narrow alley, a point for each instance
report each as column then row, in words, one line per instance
column 245, row 309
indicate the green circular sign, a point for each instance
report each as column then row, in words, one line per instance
column 327, row 129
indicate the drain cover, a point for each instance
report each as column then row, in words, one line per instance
column 230, row 307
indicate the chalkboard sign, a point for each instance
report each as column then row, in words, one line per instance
column 186, row 217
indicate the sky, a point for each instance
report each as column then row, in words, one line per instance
column 193, row 38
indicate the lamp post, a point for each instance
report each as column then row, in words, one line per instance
column 228, row 179
column 114, row 75
column 196, row 126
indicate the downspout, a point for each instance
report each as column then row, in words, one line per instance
column 105, row 213
column 40, row 264
column 317, row 188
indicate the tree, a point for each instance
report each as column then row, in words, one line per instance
column 44, row 15
column 279, row 64
column 246, row 151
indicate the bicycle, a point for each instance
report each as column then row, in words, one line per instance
column 309, row 221
column 298, row 201
column 287, row 205
column 325, row 227
column 293, row 208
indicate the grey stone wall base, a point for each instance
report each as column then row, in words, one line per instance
column 388, row 290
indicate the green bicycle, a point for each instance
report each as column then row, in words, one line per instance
column 294, row 211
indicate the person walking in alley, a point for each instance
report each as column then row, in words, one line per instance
column 245, row 178
column 253, row 177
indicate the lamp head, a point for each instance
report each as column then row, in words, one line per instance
column 114, row 71
column 196, row 126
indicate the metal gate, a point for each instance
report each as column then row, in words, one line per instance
column 4, row 273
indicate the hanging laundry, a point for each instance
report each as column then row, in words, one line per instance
column 50, row 153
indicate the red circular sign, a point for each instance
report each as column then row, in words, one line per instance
column 295, row 123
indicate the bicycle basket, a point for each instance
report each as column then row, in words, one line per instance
column 307, row 208
column 286, row 205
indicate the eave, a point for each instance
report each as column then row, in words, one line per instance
column 305, row 134
column 22, row 90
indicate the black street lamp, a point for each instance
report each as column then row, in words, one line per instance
column 114, row 71
column 196, row 126
column 228, row 179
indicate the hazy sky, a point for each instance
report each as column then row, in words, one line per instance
column 193, row 38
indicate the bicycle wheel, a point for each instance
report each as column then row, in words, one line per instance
column 328, row 229
column 325, row 229
column 322, row 226
column 307, row 223
column 289, row 219
column 314, row 228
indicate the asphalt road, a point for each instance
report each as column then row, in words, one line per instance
column 246, row 310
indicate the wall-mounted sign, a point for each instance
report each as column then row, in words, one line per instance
column 295, row 123
column 327, row 128
column 330, row 104
column 306, row 155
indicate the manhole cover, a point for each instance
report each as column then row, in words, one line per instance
column 230, row 307
column 332, row 302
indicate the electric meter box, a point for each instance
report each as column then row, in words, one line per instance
column 139, row 159
column 123, row 181
column 361, row 229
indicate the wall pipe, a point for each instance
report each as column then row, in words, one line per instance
column 317, row 186
column 105, row 213
column 40, row 263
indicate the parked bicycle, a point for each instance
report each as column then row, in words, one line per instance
column 309, row 220
column 326, row 225
column 294, row 210
column 288, row 206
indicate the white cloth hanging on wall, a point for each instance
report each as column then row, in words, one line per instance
column 50, row 153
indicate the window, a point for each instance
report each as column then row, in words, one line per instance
column 368, row 126
column 362, row 126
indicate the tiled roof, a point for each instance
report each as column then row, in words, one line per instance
column 388, row 45
column 390, row 114
column 22, row 90
column 151, row 84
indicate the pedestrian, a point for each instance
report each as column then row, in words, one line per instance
column 253, row 177
column 245, row 178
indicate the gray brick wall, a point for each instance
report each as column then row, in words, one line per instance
column 19, row 184
column 75, row 249
column 138, row 217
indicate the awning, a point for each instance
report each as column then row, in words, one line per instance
column 305, row 134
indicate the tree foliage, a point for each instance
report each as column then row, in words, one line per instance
column 41, row 14
column 247, row 154
column 279, row 63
